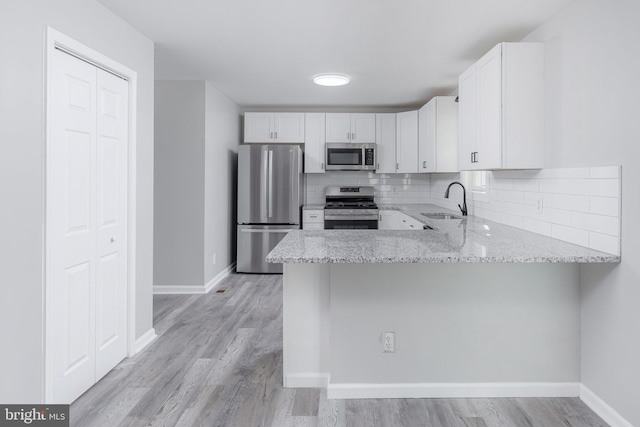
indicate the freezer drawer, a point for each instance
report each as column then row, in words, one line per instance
column 254, row 244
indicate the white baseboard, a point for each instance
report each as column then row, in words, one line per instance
column 213, row 283
column 604, row 411
column 142, row 342
column 451, row 390
column 306, row 380
column 195, row 289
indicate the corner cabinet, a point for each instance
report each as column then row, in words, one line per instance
column 501, row 109
column 438, row 135
column 314, row 128
column 347, row 127
column 274, row 127
column 407, row 142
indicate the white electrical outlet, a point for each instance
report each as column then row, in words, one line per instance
column 388, row 342
column 214, row 259
column 539, row 205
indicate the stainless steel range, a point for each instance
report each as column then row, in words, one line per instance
column 350, row 208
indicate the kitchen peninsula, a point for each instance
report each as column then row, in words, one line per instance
column 476, row 309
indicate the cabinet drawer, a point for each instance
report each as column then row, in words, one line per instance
column 408, row 223
column 312, row 216
column 313, row 226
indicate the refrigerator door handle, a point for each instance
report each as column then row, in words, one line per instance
column 263, row 190
column 255, row 230
column 270, row 183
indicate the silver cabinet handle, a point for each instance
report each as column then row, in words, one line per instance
column 397, row 166
column 424, row 164
column 270, row 135
column 254, row 230
column 353, row 136
column 113, row 239
column 313, row 216
column 322, row 166
column 378, row 166
column 276, row 134
column 348, row 135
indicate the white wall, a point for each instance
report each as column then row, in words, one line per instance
column 179, row 183
column 222, row 136
column 197, row 136
column 592, row 110
column 22, row 26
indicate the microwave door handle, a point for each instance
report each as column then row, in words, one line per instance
column 270, row 183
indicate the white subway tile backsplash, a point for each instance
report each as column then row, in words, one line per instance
column 536, row 226
column 579, row 187
column 569, row 234
column 604, row 243
column 605, row 172
column 597, row 223
column 604, row 187
column 563, row 173
column 526, row 185
column 605, row 206
column 566, row 202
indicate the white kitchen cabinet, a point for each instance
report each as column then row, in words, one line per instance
column 407, row 142
column 314, row 131
column 438, row 135
column 405, row 222
column 386, row 143
column 274, row 127
column 313, row 219
column 387, row 219
column 501, row 122
column 346, row 127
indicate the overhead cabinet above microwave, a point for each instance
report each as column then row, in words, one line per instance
column 345, row 127
column 274, row 127
column 501, row 109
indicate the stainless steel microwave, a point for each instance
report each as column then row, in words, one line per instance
column 350, row 157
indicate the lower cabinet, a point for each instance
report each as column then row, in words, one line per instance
column 388, row 220
column 395, row 220
column 313, row 219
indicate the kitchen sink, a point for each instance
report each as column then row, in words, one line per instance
column 441, row 216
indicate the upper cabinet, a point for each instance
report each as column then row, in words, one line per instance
column 274, row 127
column 438, row 135
column 407, row 142
column 386, row 143
column 355, row 128
column 314, row 129
column 501, row 108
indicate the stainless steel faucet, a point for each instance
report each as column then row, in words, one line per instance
column 463, row 208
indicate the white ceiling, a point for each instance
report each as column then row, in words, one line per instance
column 399, row 53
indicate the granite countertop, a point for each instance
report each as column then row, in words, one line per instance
column 467, row 240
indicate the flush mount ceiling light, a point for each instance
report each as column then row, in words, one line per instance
column 331, row 80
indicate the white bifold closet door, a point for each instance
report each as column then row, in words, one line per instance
column 87, row 220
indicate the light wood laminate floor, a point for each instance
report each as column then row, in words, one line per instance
column 217, row 361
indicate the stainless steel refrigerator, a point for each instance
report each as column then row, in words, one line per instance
column 270, row 198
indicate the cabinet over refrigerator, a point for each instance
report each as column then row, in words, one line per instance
column 270, row 198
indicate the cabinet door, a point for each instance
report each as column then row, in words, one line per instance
column 258, row 127
column 386, row 143
column 467, row 130
column 338, row 127
column 289, row 127
column 363, row 128
column 387, row 220
column 489, row 113
column 446, row 134
column 314, row 143
column 407, row 142
column 427, row 137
